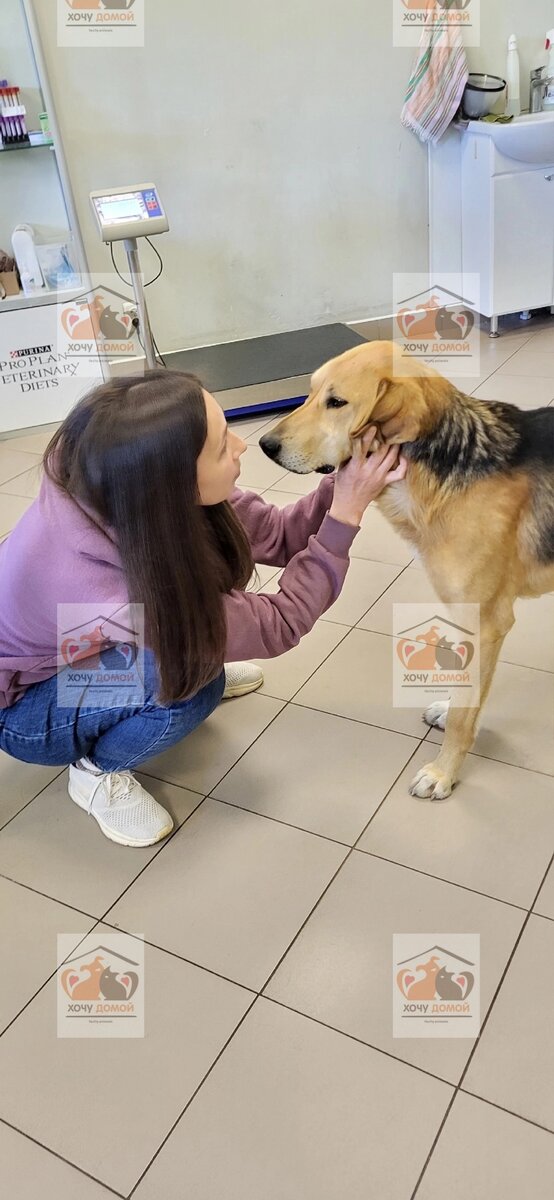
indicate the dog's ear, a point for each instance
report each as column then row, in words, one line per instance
column 369, row 416
column 399, row 410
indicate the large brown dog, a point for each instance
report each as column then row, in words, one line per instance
column 477, row 501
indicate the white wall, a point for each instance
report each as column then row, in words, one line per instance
column 272, row 130
column 529, row 20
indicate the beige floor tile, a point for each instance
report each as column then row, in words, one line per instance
column 529, row 362
column 467, row 384
column 231, row 893
column 281, row 499
column 250, row 428
column 283, row 676
column 27, row 484
column 542, row 341
column 29, row 926
column 258, row 472
column 411, row 587
column 254, row 438
column 23, row 1163
column 36, row 442
column 530, row 642
column 494, row 834
column 106, row 1104
column 339, row 968
column 261, row 577
column 319, row 772
column 19, row 783
column 55, row 847
column 356, row 681
column 299, row 484
column 306, row 1114
column 14, row 462
column 205, row 756
column 517, row 721
column 378, row 540
column 507, row 1158
column 545, row 900
column 525, row 391
column 11, row 509
column 364, row 583
column 514, row 1062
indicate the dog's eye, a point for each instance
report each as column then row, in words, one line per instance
column 334, row 402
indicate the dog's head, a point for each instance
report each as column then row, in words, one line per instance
column 365, row 386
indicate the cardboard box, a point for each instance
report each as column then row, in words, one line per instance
column 9, row 282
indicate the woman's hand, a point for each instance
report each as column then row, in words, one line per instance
column 364, row 477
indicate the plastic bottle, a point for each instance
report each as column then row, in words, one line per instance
column 548, row 102
column 513, row 104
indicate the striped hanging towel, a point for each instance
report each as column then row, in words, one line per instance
column 438, row 79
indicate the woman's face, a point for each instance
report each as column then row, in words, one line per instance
column 218, row 464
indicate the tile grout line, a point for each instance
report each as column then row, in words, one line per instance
column 509, row 1111
column 326, row 888
column 191, row 1098
column 45, row 896
column 439, row 878
column 61, row 1158
column 31, row 801
column 46, row 981
column 481, row 1031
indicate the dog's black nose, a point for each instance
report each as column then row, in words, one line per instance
column 271, row 446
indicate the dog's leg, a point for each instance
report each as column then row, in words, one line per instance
column 435, row 780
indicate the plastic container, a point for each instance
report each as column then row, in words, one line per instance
column 513, row 101
column 57, row 263
column 481, row 94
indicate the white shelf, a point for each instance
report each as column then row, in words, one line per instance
column 10, row 303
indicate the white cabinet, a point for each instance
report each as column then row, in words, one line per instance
column 521, row 267
column 40, row 377
column 492, row 215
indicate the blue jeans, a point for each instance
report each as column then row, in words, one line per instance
column 36, row 730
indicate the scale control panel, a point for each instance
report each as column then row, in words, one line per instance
column 129, row 212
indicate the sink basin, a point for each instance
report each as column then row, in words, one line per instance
column 529, row 138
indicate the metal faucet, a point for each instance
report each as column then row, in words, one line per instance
column 537, row 85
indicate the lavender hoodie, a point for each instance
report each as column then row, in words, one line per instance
column 57, row 553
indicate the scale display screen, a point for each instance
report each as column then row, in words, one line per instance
column 131, row 206
column 129, row 212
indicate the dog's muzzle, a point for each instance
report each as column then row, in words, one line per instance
column 271, row 446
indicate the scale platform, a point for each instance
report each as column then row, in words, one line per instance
column 265, row 373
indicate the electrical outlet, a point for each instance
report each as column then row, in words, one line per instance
column 130, row 310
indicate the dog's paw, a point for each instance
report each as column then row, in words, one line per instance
column 431, row 784
column 436, row 714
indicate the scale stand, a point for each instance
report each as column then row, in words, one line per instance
column 124, row 214
column 144, row 330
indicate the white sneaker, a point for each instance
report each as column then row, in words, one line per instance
column 125, row 812
column 240, row 678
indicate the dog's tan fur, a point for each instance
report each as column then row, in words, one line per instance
column 479, row 538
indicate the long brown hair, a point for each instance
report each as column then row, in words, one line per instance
column 128, row 450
